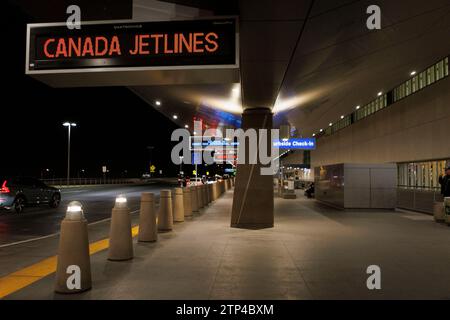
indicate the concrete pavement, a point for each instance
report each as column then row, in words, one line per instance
column 313, row 252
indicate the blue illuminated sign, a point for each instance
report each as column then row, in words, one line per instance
column 203, row 142
column 299, row 144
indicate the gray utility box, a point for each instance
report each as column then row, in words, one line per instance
column 357, row 186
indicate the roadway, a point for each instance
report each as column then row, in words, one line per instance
column 97, row 202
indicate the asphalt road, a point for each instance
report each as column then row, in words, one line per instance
column 97, row 203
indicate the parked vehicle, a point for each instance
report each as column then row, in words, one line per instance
column 19, row 192
column 146, row 176
column 181, row 180
column 196, row 181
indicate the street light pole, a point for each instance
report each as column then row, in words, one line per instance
column 69, row 125
column 181, row 164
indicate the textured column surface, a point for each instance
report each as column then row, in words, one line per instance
column 253, row 192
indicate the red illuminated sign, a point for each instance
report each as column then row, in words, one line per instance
column 168, row 43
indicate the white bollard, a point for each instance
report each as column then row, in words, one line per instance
column 205, row 194
column 165, row 213
column 201, row 202
column 194, row 198
column 73, row 253
column 439, row 212
column 120, row 238
column 178, row 206
column 187, row 202
column 148, row 230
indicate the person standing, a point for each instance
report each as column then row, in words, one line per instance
column 445, row 183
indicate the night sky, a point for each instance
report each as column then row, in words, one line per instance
column 114, row 125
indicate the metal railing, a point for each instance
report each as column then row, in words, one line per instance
column 88, row 181
column 418, row 199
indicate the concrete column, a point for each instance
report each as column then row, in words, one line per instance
column 178, row 205
column 187, row 202
column 165, row 214
column 253, row 194
column 148, row 230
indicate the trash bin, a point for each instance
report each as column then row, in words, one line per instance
column 447, row 210
column 439, row 212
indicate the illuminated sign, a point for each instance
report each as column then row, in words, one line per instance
column 299, row 144
column 146, row 44
column 211, row 143
column 225, row 156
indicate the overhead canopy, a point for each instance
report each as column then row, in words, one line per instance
column 310, row 60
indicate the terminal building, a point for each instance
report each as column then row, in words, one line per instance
column 374, row 101
column 360, row 92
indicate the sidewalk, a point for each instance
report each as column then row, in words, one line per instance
column 313, row 252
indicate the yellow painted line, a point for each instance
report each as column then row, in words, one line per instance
column 22, row 278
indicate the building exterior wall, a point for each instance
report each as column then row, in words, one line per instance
column 413, row 129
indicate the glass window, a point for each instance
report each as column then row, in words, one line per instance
column 446, row 67
column 422, row 80
column 415, row 86
column 423, row 175
column 440, row 70
column 408, row 87
column 430, row 75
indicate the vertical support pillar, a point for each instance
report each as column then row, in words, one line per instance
column 253, row 192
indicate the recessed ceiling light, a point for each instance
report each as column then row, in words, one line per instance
column 158, row 103
column 321, row 130
column 186, row 126
column 380, row 93
column 413, row 73
column 175, row 116
column 314, row 134
column 358, row 107
column 342, row 117
column 330, row 124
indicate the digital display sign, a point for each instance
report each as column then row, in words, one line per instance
column 210, row 143
column 146, row 44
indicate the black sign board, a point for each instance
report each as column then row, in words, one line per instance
column 126, row 45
